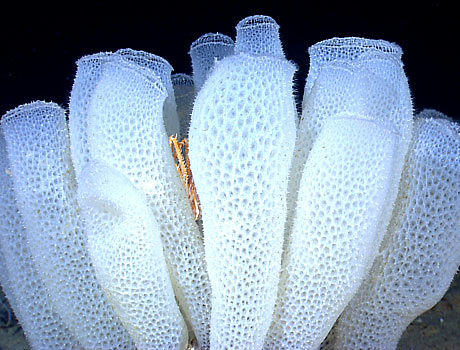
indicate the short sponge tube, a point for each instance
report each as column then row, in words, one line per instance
column 258, row 35
column 205, row 51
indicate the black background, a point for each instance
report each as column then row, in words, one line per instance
column 41, row 43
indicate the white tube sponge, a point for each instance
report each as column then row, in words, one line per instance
column 162, row 69
column 258, row 35
column 329, row 94
column 89, row 70
column 205, row 51
column 19, row 278
column 45, row 188
column 242, row 136
column 380, row 57
column 421, row 251
column 344, row 49
column 126, row 131
column 341, row 207
column 125, row 246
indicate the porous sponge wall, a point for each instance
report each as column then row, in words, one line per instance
column 344, row 49
column 241, row 141
column 344, row 87
column 117, row 133
column 19, row 277
column 341, row 206
column 125, row 246
column 322, row 97
column 383, row 60
column 89, row 70
column 163, row 70
column 421, row 250
column 334, row 231
column 126, row 131
column 258, row 35
column 45, row 189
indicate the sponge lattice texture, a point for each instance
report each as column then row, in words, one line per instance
column 334, row 237
column 421, row 250
column 89, row 70
column 45, row 189
column 352, row 171
column 19, row 277
column 125, row 246
column 364, row 77
column 346, row 49
column 126, row 131
column 258, row 35
column 162, row 69
column 241, row 142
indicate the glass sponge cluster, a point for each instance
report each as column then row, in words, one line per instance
column 337, row 225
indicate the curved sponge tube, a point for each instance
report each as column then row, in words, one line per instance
column 353, row 87
column 125, row 245
column 127, row 132
column 45, row 188
column 241, row 142
column 19, row 277
column 326, row 91
column 421, row 250
column 329, row 93
column 343, row 205
column 89, row 71
column 333, row 241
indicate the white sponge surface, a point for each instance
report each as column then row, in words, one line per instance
column 45, row 188
column 258, row 35
column 421, row 251
column 19, row 277
column 125, row 246
column 345, row 49
column 162, row 68
column 242, row 137
column 335, row 233
column 89, row 70
column 127, row 132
